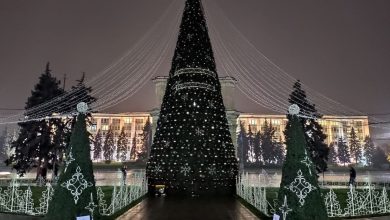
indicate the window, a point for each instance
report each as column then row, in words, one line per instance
column 252, row 121
column 139, row 124
column 127, row 120
column 275, row 122
column 139, row 127
column 105, row 120
column 139, row 121
column 127, row 127
column 105, row 127
column 93, row 127
column 116, row 127
column 116, row 121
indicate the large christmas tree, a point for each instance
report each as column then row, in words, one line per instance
column 38, row 141
column 75, row 194
column 299, row 193
column 192, row 152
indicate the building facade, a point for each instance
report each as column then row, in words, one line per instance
column 132, row 124
column 335, row 127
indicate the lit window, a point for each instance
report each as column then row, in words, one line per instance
column 105, row 120
column 252, row 121
column 105, row 127
column 127, row 120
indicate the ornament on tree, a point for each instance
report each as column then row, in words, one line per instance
column 285, row 209
column 294, row 109
column 82, row 107
column 69, row 160
column 199, row 132
column 91, row 206
column 307, row 162
column 185, row 170
column 77, row 184
column 301, row 187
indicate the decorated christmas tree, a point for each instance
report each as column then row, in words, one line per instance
column 75, row 194
column 299, row 194
column 192, row 152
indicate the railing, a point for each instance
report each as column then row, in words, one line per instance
column 367, row 199
column 14, row 199
column 254, row 194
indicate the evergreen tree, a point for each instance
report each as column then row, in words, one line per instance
column 355, row 147
column 379, row 158
column 242, row 148
column 299, row 188
column 257, row 148
column 3, row 145
column 133, row 150
column 279, row 154
column 369, row 150
column 343, row 152
column 78, row 93
column 192, row 150
column 332, row 153
column 146, row 142
column 66, row 203
column 267, row 143
column 108, row 146
column 35, row 144
column 250, row 139
column 314, row 134
column 98, row 145
column 122, row 146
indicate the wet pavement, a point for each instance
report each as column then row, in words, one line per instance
column 164, row 208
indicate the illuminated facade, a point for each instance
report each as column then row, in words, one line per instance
column 132, row 123
column 334, row 126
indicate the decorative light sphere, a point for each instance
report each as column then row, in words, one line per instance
column 294, row 109
column 82, row 107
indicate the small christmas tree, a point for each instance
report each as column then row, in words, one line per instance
column 369, row 150
column 108, row 147
column 122, row 146
column 343, row 152
column 133, row 150
column 98, row 145
column 355, row 147
column 299, row 194
column 76, row 185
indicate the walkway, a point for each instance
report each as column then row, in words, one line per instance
column 189, row 209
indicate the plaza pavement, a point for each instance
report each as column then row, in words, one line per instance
column 164, row 208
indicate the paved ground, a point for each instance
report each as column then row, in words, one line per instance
column 189, row 209
column 375, row 218
column 17, row 217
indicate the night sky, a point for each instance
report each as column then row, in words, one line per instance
column 340, row 48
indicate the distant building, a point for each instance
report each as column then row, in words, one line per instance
column 132, row 123
column 334, row 126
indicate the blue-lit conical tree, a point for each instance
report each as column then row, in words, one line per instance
column 192, row 152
